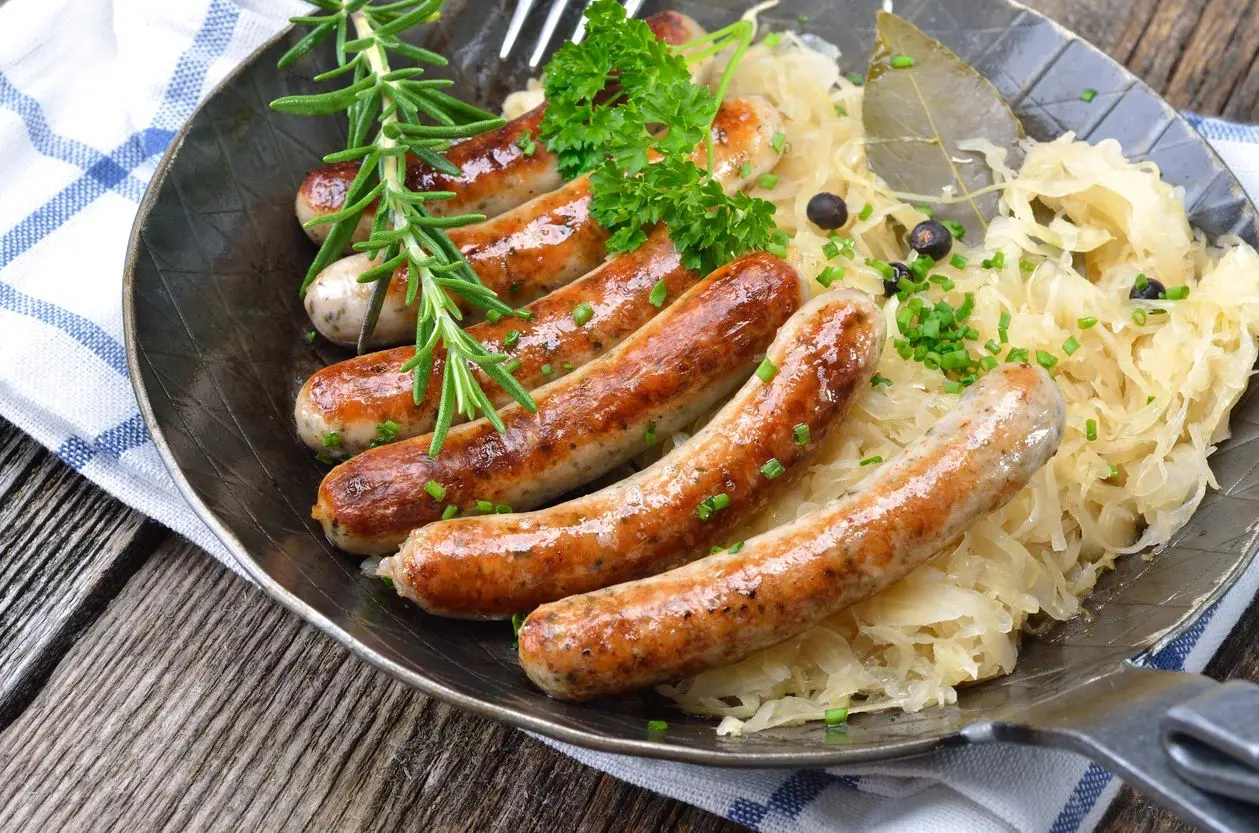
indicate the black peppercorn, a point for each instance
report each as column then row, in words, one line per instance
column 931, row 238
column 899, row 272
column 828, row 211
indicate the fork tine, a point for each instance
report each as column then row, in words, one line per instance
column 523, row 7
column 580, row 31
column 548, row 31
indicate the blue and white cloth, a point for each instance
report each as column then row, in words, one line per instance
column 91, row 94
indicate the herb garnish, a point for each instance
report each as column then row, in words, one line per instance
column 608, row 136
column 393, row 112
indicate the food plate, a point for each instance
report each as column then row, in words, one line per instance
column 215, row 339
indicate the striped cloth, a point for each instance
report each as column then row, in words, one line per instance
column 91, row 94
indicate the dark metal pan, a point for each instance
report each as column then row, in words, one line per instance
column 214, row 334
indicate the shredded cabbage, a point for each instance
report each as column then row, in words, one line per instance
column 1160, row 393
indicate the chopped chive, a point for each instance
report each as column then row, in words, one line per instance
column 801, row 434
column 1086, row 323
column 955, row 228
column 309, row 336
column 512, row 337
column 1004, row 322
column 1070, row 345
column 1026, row 265
column 997, row 261
column 720, row 501
column 703, row 511
column 1017, row 354
column 773, row 39
column 870, row 461
column 840, row 110
column 582, row 313
column 830, row 274
column 435, row 490
column 450, row 511
column 1139, row 316
column 830, row 250
column 1176, row 293
column 1088, row 95
column 511, row 366
column 1140, row 282
column 386, row 432
column 1114, row 472
column 884, row 269
column 988, row 362
column 714, row 549
column 836, row 717
column 778, row 142
column 659, row 293
column 902, row 62
column 766, row 370
column 568, row 366
column 992, row 347
column 493, row 316
column 517, row 619
column 952, row 387
column 856, row 78
column 649, row 436
column 866, row 211
column 925, row 210
column 546, row 369
column 736, row 546
column 1004, row 335
column 745, row 170
column 331, row 440
column 876, row 380
column 777, row 249
column 768, row 180
column 1090, row 429
column 657, row 727
column 1046, row 360
column 327, row 459
column 772, row 468
column 484, row 506
column 524, row 314
column 958, row 261
column 502, row 509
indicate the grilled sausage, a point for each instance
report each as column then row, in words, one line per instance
column 537, row 247
column 672, row 370
column 496, row 174
column 494, row 565
column 349, row 399
column 722, row 608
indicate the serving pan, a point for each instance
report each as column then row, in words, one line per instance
column 215, row 329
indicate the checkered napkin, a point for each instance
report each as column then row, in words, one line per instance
column 91, row 94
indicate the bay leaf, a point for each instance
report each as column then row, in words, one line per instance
column 916, row 116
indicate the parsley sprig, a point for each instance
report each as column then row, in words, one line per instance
column 393, row 112
column 622, row 99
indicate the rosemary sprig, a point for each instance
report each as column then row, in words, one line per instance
column 393, row 112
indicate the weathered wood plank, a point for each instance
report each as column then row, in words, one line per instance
column 65, row 549
column 196, row 703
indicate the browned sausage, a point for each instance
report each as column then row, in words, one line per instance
column 674, row 369
column 496, row 173
column 347, row 400
column 536, row 247
column 722, row 608
column 495, row 565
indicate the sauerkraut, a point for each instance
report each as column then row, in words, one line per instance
column 1079, row 222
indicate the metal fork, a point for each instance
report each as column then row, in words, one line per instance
column 552, row 22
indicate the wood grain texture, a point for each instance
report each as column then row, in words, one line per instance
column 195, row 703
column 192, row 702
column 65, row 549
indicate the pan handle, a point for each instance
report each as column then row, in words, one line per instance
column 1183, row 739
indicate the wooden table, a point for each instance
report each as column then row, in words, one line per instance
column 145, row 687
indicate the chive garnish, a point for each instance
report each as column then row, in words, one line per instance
column 866, row 211
column 331, row 440
column 745, row 170
column 657, row 727
column 952, row 387
column 582, row 313
column 1086, row 323
column 568, row 366
column 768, row 180
column 1046, row 360
column 772, row 468
column 902, row 62
column 836, row 717
column 957, row 261
column 766, row 370
column 1139, row 316
column 778, row 142
column 386, row 432
column 1017, row 354
column 856, row 78
column 1114, row 472
column 955, row 228
column 1070, row 345
column 435, row 490
column 659, row 293
column 493, row 316
column 450, row 511
column 1140, row 282
column 484, row 506
column 309, row 336
column 830, row 250
column 869, row 461
column 840, row 110
column 876, row 380
column 502, row 509
column 327, row 459
column 1090, row 429
column 1176, row 293
column 511, row 366
column 1088, row 95
column 649, row 436
column 546, row 369
column 736, row 546
column 830, row 274
column 801, row 434
column 512, row 337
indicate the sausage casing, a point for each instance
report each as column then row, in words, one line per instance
column 671, row 371
column 349, row 399
column 722, row 608
column 496, row 173
column 537, row 247
column 494, row 565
